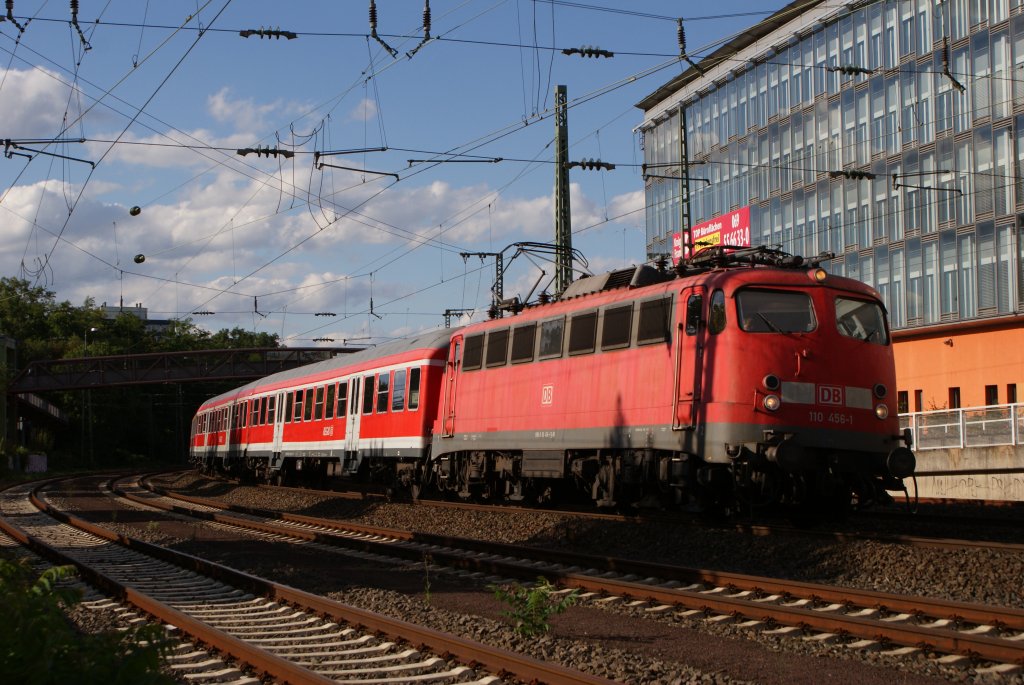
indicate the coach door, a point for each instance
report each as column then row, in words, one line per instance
column 279, row 405
column 451, row 378
column 352, row 419
column 691, row 330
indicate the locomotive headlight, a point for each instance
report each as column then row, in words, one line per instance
column 882, row 410
column 818, row 275
column 772, row 402
column 771, row 381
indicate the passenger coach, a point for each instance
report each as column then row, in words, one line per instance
column 327, row 418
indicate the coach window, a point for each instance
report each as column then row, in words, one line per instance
column 716, row 312
column 342, row 399
column 398, row 391
column 368, row 387
column 582, row 333
column 497, row 347
column 271, row 402
column 298, row 406
column 383, row 383
column 551, row 338
column 414, row 388
column 307, row 405
column 618, row 323
column 289, row 408
column 653, row 326
column 775, row 311
column 473, row 355
column 318, row 403
column 264, row 408
column 329, row 402
column 523, row 338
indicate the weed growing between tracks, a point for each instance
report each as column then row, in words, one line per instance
column 530, row 608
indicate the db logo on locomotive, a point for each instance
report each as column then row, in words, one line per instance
column 830, row 394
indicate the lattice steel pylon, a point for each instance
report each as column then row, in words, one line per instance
column 563, row 221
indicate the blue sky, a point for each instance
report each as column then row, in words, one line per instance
column 168, row 92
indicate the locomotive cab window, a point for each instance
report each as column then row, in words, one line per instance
column 775, row 311
column 473, row 355
column 551, row 338
column 861, row 320
column 617, row 327
column 716, row 312
column 694, row 314
column 582, row 333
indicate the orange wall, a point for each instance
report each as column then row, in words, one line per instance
column 966, row 357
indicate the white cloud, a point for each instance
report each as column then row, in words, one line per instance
column 365, row 110
column 32, row 103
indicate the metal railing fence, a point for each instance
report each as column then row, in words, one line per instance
column 1001, row 424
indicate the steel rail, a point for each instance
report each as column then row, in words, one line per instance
column 261, row 661
column 937, row 638
column 499, row 661
column 944, row 609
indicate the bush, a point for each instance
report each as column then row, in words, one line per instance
column 39, row 645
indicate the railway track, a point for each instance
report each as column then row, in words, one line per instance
column 897, row 624
column 933, row 529
column 279, row 632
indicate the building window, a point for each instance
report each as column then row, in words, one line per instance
column 991, row 394
column 954, row 398
column 918, row 400
column 1011, row 393
column 902, row 402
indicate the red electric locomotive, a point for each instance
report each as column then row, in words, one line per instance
column 747, row 378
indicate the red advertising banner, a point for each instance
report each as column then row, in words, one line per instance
column 729, row 229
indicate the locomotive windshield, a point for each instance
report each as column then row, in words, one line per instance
column 775, row 311
column 861, row 320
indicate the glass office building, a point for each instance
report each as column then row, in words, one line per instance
column 922, row 100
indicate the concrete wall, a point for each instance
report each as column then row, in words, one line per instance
column 976, row 473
